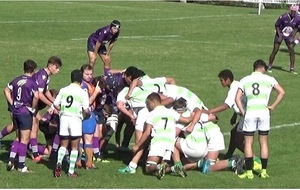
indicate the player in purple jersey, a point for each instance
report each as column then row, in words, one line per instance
column 22, row 95
column 42, row 78
column 286, row 27
column 96, row 43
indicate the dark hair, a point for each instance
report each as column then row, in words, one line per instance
column 29, row 66
column 76, row 76
column 101, row 81
column 137, row 74
column 154, row 97
column 115, row 23
column 54, row 60
column 259, row 64
column 179, row 104
column 130, row 71
column 86, row 67
column 226, row 74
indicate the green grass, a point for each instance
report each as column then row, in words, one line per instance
column 190, row 42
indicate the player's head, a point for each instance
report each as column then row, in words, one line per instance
column 101, row 82
column 29, row 66
column 137, row 74
column 294, row 9
column 87, row 72
column 128, row 74
column 54, row 64
column 115, row 26
column 153, row 100
column 180, row 105
column 226, row 77
column 76, row 76
column 260, row 65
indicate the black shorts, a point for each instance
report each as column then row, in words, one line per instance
column 22, row 122
column 91, row 47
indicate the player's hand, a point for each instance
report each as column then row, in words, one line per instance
column 50, row 111
column 127, row 97
column 271, row 108
column 97, row 88
column 107, row 58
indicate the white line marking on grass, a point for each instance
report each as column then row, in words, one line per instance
column 135, row 37
column 102, row 21
column 277, row 127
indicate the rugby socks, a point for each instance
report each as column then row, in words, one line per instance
column 41, row 149
column 96, row 146
column 4, row 132
column 256, row 159
column 34, row 147
column 132, row 165
column 178, row 163
column 88, row 149
column 22, row 155
column 264, row 163
column 73, row 158
column 13, row 150
column 249, row 163
column 56, row 142
column 61, row 154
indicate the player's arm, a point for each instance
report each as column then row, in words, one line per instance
column 85, row 106
column 195, row 119
column 7, row 93
column 97, row 46
column 35, row 100
column 136, row 82
column 95, row 93
column 145, row 136
column 122, row 108
column 49, row 96
column 44, row 99
column 116, row 71
column 279, row 97
column 238, row 101
column 218, row 109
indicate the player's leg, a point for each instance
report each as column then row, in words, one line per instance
column 25, row 125
column 104, row 57
column 91, row 55
column 249, row 128
column 33, row 139
column 291, row 48
column 263, row 131
column 276, row 46
column 232, row 142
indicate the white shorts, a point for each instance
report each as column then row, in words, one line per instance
column 160, row 151
column 215, row 139
column 252, row 124
column 193, row 154
column 141, row 119
column 70, row 126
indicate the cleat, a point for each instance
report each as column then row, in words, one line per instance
column 37, row 159
column 127, row 169
column 10, row 166
column 269, row 70
column 246, row 175
column 292, row 71
column 24, row 170
column 206, row 166
column 263, row 175
column 73, row 175
column 180, row 170
column 162, row 170
column 239, row 164
column 57, row 170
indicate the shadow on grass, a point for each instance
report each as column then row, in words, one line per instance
column 284, row 50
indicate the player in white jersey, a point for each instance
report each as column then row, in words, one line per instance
column 161, row 126
column 257, row 88
column 201, row 147
column 73, row 103
column 147, row 82
column 236, row 134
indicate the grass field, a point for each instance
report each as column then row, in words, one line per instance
column 190, row 42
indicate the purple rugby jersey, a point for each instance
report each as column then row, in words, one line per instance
column 287, row 24
column 42, row 79
column 22, row 88
column 103, row 35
